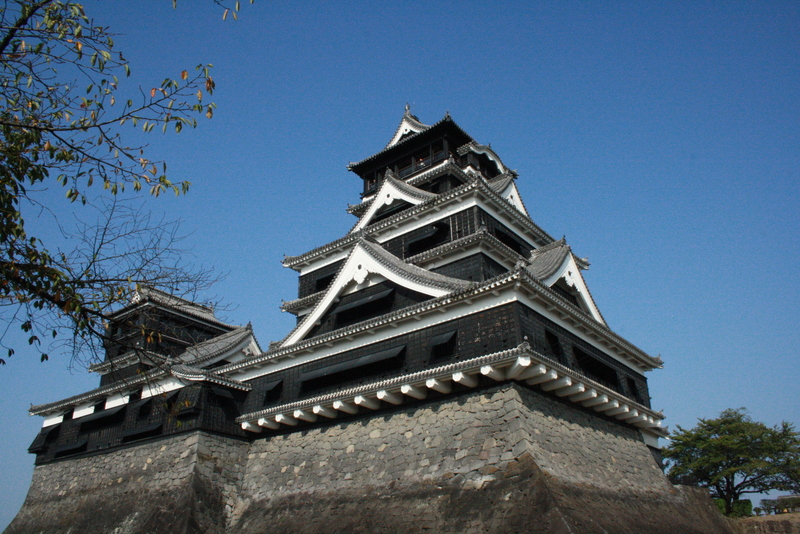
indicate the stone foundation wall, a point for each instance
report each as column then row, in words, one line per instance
column 178, row 484
column 508, row 459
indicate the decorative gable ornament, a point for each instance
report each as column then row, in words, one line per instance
column 556, row 262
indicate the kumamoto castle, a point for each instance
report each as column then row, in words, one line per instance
column 449, row 372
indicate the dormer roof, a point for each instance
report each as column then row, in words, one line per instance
column 556, row 262
column 545, row 261
column 368, row 259
column 505, row 186
column 477, row 148
column 196, row 374
column 390, row 192
column 220, row 347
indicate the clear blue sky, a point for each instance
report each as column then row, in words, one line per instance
column 662, row 138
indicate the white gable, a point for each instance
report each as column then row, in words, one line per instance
column 410, row 124
column 392, row 190
column 571, row 274
column 511, row 194
column 362, row 269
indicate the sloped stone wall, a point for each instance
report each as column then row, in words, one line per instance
column 508, row 459
column 175, row 485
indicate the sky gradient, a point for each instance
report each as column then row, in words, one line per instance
column 661, row 138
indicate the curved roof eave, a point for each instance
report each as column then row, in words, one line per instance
column 543, row 237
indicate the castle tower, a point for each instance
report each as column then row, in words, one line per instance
column 158, row 378
column 449, row 371
column 444, row 284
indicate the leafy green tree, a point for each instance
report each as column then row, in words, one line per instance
column 741, row 508
column 62, row 114
column 733, row 455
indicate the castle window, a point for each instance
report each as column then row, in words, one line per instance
column 45, row 438
column 554, row 345
column 596, row 370
column 361, row 368
column 143, row 407
column 443, row 346
column 170, row 401
column 217, row 396
column 436, row 235
column 142, row 432
column 566, row 293
column 395, row 207
column 364, row 308
column 434, row 186
column 438, row 151
column 323, row 282
column 273, row 391
column 634, row 390
column 405, row 168
column 102, row 417
column 371, row 183
column 508, row 241
column 72, row 448
column 422, row 159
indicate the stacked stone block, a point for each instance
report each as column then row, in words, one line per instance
column 507, row 459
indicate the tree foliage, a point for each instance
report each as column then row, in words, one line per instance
column 780, row 505
column 733, row 455
column 62, row 115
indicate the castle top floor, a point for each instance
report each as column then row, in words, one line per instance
column 417, row 148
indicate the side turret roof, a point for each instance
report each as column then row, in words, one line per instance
column 555, row 262
column 148, row 295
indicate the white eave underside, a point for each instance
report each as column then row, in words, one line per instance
column 520, row 364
